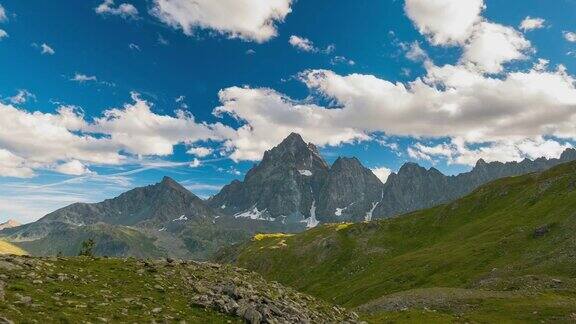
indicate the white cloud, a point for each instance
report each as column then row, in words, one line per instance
column 73, row 167
column 382, row 173
column 200, row 151
column 445, row 22
column 195, row 163
column 252, row 20
column 40, row 140
column 124, row 10
column 3, row 15
column 530, row 23
column 303, row 44
column 491, row 45
column 457, row 151
column 415, row 53
column 140, row 131
column 13, row 166
column 3, row 34
column 81, row 78
column 134, row 47
column 570, row 36
column 342, row 60
column 22, row 96
column 45, row 49
column 450, row 102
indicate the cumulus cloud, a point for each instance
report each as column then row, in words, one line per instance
column 124, row 10
column 22, row 96
column 301, row 43
column 3, row 15
column 3, row 34
column 45, row 49
column 491, row 45
column 73, row 167
column 138, row 130
column 450, row 102
column 36, row 140
column 445, row 22
column 251, row 20
column 382, row 173
column 570, row 36
column 530, row 23
column 13, row 166
column 486, row 45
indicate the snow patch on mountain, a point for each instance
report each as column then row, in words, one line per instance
column 181, row 218
column 254, row 214
column 311, row 221
column 374, row 205
column 306, row 173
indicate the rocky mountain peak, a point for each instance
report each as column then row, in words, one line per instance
column 169, row 183
column 9, row 224
column 568, row 155
column 481, row 163
column 411, row 169
column 346, row 162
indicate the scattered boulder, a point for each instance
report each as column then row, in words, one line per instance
column 541, row 231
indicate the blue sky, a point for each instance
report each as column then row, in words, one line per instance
column 101, row 96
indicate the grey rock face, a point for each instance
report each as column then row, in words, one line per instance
column 293, row 183
column 146, row 206
column 282, row 187
column 416, row 188
column 350, row 192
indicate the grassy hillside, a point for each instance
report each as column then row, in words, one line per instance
column 8, row 248
column 513, row 235
column 110, row 240
column 101, row 290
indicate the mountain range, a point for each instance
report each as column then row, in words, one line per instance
column 291, row 189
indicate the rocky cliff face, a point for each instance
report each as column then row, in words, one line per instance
column 284, row 187
column 415, row 188
column 351, row 192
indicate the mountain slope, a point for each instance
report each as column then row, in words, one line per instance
column 146, row 206
column 163, row 219
column 283, row 187
column 515, row 234
column 415, row 188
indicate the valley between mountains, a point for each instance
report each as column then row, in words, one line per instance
column 321, row 243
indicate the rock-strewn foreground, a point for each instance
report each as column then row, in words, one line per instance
column 78, row 290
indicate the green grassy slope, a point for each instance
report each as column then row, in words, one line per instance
column 110, row 241
column 107, row 290
column 515, row 234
